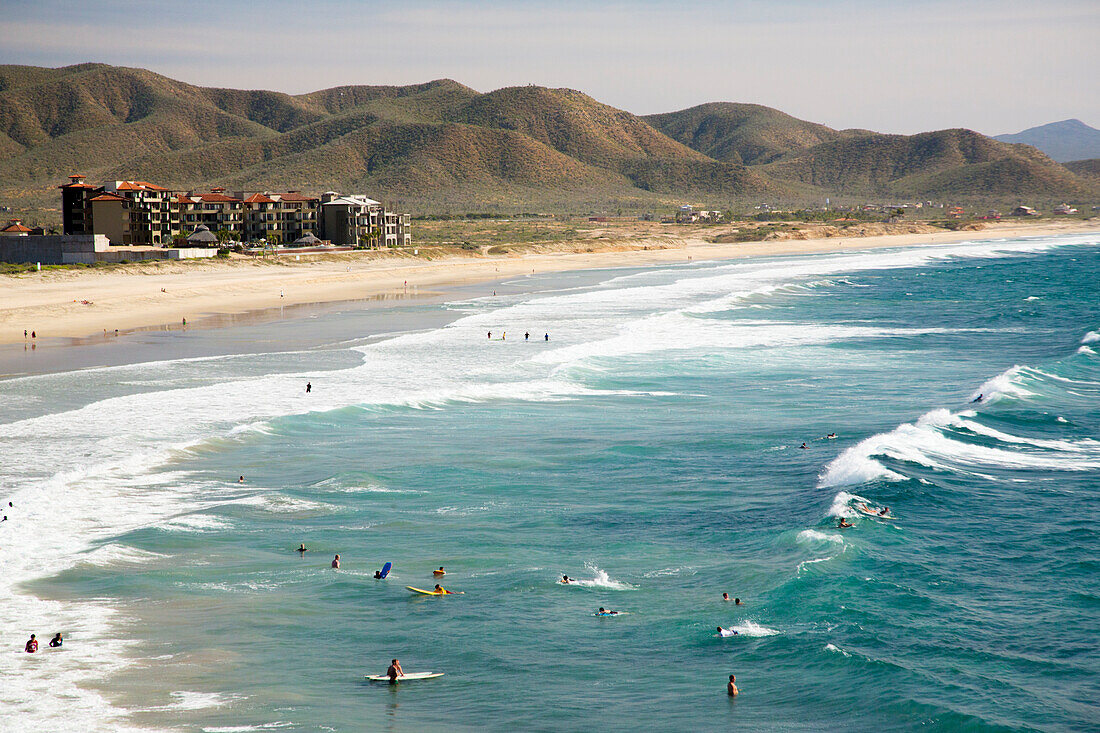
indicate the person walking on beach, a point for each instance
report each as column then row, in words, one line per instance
column 526, row 336
column 395, row 671
column 547, row 337
column 731, row 687
column 336, row 562
column 34, row 335
column 308, row 387
column 490, row 335
column 32, row 645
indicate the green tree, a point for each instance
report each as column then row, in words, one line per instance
column 223, row 235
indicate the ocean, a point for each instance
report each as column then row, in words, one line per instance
column 651, row 448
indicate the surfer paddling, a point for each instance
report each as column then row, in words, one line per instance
column 727, row 632
column 442, row 591
column 843, row 523
column 566, row 580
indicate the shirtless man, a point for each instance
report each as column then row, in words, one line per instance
column 843, row 523
column 336, row 562
column 731, row 687
column 395, row 671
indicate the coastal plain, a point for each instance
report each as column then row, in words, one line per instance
column 78, row 303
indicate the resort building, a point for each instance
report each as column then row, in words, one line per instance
column 143, row 213
column 14, row 228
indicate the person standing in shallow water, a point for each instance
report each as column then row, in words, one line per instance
column 336, row 562
column 32, row 645
column 731, row 687
column 309, row 387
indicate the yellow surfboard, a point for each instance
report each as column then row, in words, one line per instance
column 433, row 592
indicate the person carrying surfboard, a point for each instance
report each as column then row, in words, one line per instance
column 394, row 671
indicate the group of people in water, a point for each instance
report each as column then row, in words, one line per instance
column 883, row 512
column 32, row 644
column 526, row 336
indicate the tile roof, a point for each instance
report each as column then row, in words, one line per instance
column 181, row 199
column 259, row 198
column 294, row 196
column 109, row 197
column 15, row 226
column 139, row 186
column 218, row 198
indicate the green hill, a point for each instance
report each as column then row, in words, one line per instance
column 958, row 163
column 742, row 133
column 441, row 145
column 421, row 144
column 1087, row 169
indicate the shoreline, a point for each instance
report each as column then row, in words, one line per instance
column 218, row 294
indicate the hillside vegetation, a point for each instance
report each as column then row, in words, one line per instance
column 441, row 145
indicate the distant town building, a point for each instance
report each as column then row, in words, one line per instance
column 1025, row 211
column 1064, row 209
column 14, row 228
column 143, row 213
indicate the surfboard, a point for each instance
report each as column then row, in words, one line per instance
column 385, row 570
column 405, row 677
column 432, row 592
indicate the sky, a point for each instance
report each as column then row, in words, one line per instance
column 995, row 66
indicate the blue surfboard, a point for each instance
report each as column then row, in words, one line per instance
column 385, row 570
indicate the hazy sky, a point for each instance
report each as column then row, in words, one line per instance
column 990, row 65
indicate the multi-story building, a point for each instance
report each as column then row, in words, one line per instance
column 76, row 206
column 139, row 212
column 352, row 220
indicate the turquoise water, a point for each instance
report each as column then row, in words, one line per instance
column 650, row 449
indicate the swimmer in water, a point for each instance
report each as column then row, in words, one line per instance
column 439, row 573
column 336, row 562
column 727, row 632
column 56, row 641
column 605, row 612
column 725, row 596
column 843, row 523
column 731, row 688
column 240, row 480
column 803, row 446
column 737, row 601
column 566, row 580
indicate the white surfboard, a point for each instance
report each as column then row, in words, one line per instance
column 405, row 677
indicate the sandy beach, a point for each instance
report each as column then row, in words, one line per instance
column 52, row 303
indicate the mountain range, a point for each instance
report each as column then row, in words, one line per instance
column 1063, row 141
column 442, row 145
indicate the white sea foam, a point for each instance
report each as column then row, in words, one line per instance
column 245, row 728
column 838, row 650
column 600, row 579
column 1091, row 337
column 812, row 536
column 190, row 700
column 751, row 628
column 116, row 554
column 1005, row 384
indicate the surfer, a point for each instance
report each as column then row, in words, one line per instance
column 727, row 632
column 731, row 687
column 606, row 612
column 439, row 573
column 843, row 523
column 441, row 590
column 302, row 548
column 32, row 645
column 884, row 511
column 977, row 399
column 830, row 436
column 566, row 580
column 336, row 562
column 56, row 641
column 803, row 446
column 395, row 671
